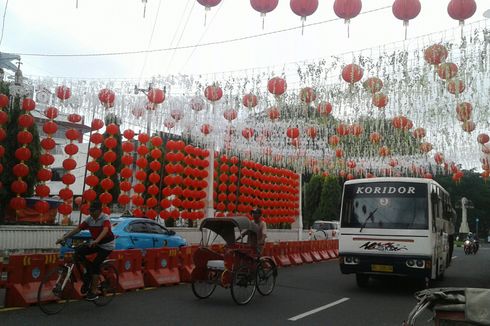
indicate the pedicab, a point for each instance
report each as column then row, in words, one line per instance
column 225, row 259
column 453, row 306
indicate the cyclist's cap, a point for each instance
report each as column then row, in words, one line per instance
column 256, row 211
column 95, row 206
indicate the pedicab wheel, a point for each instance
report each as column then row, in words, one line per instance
column 51, row 297
column 266, row 276
column 362, row 280
column 108, row 280
column 243, row 284
column 203, row 289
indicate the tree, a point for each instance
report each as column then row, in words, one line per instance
column 473, row 188
column 311, row 198
column 329, row 207
column 11, row 144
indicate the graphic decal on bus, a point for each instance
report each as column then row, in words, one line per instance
column 383, row 246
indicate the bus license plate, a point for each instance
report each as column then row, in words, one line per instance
column 382, row 268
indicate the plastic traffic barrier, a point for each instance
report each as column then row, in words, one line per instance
column 25, row 273
column 331, row 249
column 305, row 251
column 323, row 249
column 335, row 245
column 314, row 250
column 294, row 249
column 281, row 254
column 186, row 263
column 129, row 265
column 268, row 251
column 161, row 267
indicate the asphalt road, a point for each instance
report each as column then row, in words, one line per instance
column 299, row 290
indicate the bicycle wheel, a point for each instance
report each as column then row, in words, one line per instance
column 266, row 276
column 108, row 280
column 243, row 285
column 203, row 288
column 52, row 297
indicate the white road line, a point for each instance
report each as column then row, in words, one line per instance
column 454, row 257
column 314, row 311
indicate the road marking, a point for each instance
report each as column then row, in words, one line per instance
column 454, row 257
column 10, row 309
column 314, row 311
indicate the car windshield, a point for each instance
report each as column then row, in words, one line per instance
column 389, row 205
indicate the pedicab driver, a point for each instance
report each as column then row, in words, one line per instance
column 102, row 244
column 258, row 241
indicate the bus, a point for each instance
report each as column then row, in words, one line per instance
column 396, row 226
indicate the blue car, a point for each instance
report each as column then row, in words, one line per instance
column 133, row 233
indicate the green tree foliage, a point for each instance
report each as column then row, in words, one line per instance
column 329, row 207
column 10, row 144
column 115, row 191
column 475, row 189
column 311, row 198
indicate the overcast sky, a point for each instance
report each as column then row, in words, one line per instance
column 107, row 26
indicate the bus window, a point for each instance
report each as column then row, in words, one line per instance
column 385, row 205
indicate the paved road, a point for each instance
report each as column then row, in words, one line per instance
column 299, row 290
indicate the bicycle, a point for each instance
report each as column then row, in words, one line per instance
column 56, row 288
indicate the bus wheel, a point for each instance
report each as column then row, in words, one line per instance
column 362, row 280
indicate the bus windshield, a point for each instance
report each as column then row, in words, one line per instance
column 385, row 205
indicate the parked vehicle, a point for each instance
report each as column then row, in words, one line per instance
column 133, row 233
column 325, row 230
column 395, row 226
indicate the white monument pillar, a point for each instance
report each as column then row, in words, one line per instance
column 464, row 222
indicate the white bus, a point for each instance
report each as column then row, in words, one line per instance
column 395, row 226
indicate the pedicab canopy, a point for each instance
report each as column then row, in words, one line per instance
column 225, row 226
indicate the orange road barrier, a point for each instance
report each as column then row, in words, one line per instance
column 314, row 250
column 305, row 251
column 281, row 254
column 25, row 273
column 129, row 265
column 161, row 266
column 186, row 262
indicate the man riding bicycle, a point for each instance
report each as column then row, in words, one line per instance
column 102, row 244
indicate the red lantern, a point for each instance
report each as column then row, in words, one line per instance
column 333, row 140
column 435, row 54
column 419, row 133
column 406, row 10
column 42, row 190
column 384, row 151
column 74, row 118
column 209, row 3
column 456, row 86
column 24, row 137
column 447, row 70
column 324, row 108
column 461, row 9
column 63, row 92
column 373, row 84
column 273, row 113
column 380, row 100
column 112, row 129
column 28, row 104
column 230, row 114
column 307, row 95
column 292, row 132
column 42, row 206
column 213, row 93
column 69, row 164
column 18, row 203
column 156, row 96
column 51, row 112
column 303, row 8
column 107, row 97
column 469, row 126
column 463, row 111
column 97, row 124
column 250, row 100
column 277, row 86
column 347, row 9
column 342, row 130
column 425, row 147
column 352, row 73
column 439, row 158
column 264, row 6
column 25, row 120
column 206, row 129
column 356, row 130
column 247, row 133
column 46, row 159
column 483, row 138
column 4, row 101
column 311, row 132
column 20, row 170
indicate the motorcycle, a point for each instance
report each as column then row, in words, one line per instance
column 469, row 247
